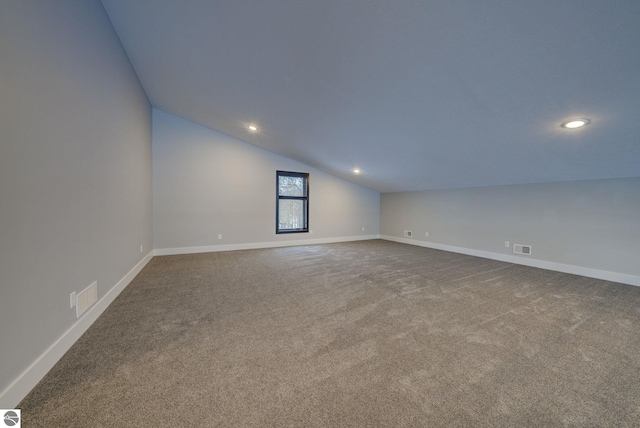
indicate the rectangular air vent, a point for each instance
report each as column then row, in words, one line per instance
column 408, row 233
column 522, row 249
column 86, row 298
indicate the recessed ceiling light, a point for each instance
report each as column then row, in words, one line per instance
column 575, row 123
column 252, row 128
column 356, row 170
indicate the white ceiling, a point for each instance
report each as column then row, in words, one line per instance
column 418, row 94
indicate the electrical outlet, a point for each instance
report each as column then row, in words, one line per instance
column 72, row 300
column 506, row 244
column 426, row 234
column 310, row 231
column 219, row 235
column 363, row 228
column 140, row 248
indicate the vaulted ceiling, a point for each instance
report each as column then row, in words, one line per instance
column 417, row 94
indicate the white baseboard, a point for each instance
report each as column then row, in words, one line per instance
column 258, row 245
column 542, row 264
column 20, row 387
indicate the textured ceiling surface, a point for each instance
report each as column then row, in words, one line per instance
column 417, row 94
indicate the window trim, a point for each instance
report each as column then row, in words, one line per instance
column 305, row 176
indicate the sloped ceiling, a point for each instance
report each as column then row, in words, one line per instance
column 418, row 94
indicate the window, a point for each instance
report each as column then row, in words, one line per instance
column 292, row 202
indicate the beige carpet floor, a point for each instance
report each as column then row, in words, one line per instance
column 362, row 334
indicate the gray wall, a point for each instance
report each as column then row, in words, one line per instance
column 75, row 169
column 206, row 183
column 593, row 224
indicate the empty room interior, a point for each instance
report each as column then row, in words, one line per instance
column 320, row 213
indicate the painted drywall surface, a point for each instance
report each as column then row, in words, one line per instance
column 206, row 183
column 75, row 169
column 593, row 224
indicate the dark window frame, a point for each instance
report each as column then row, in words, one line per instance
column 304, row 198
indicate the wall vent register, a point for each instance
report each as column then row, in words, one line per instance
column 522, row 249
column 86, row 298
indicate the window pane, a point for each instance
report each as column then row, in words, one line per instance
column 291, row 214
column 291, row 186
column 292, row 205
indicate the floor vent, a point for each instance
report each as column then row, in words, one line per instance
column 522, row 249
column 408, row 233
